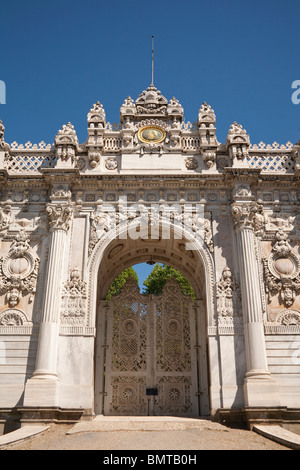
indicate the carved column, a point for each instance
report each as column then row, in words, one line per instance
column 259, row 387
column 41, row 390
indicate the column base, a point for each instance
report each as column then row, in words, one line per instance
column 42, row 391
column 260, row 389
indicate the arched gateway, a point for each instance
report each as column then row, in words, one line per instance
column 152, row 348
column 151, row 188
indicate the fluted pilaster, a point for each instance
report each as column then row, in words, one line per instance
column 59, row 218
column 259, row 387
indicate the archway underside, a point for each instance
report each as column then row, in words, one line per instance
column 122, row 253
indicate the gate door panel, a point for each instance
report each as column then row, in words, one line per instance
column 176, row 368
column 126, row 356
column 150, row 366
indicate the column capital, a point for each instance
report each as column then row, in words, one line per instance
column 59, row 216
column 247, row 215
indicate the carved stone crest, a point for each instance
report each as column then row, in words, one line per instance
column 19, row 270
column 111, row 164
column 282, row 271
column 191, row 163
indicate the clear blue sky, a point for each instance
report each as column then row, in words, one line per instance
column 59, row 57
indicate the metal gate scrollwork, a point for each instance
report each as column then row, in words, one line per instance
column 150, row 364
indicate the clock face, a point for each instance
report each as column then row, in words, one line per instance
column 151, row 134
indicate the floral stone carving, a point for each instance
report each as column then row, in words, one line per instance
column 228, row 293
column 74, row 298
column 111, row 164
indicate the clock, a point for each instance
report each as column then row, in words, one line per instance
column 151, row 134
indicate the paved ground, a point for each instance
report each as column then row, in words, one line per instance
column 209, row 436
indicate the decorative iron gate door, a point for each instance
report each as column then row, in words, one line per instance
column 150, row 364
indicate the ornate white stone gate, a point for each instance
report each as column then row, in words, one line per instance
column 151, row 366
column 152, row 187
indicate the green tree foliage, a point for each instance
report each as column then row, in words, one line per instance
column 120, row 280
column 158, row 277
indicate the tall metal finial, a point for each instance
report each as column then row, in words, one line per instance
column 152, row 60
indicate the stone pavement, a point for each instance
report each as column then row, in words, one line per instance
column 135, row 433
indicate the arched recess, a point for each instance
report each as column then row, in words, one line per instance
column 113, row 254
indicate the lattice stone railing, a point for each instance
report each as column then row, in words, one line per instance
column 273, row 163
column 272, row 158
column 29, row 163
column 30, row 158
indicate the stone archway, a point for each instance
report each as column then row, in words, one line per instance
column 113, row 257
